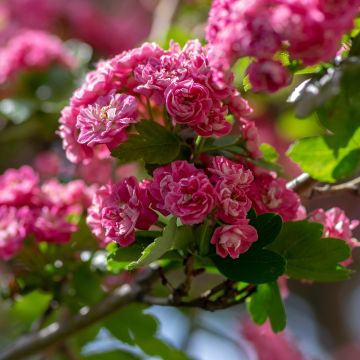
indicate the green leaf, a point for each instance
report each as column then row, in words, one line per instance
column 257, row 265
column 308, row 256
column 173, row 238
column 154, row 144
column 266, row 303
column 132, row 326
column 111, row 355
column 269, row 153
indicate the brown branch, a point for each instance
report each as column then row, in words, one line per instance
column 351, row 187
column 58, row 332
column 302, row 183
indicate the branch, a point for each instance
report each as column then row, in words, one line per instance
column 301, row 183
column 352, row 187
column 163, row 16
column 57, row 332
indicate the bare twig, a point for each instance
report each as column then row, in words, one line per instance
column 301, row 183
column 162, row 18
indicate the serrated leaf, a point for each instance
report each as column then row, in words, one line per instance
column 257, row 265
column 266, row 303
column 153, row 144
column 308, row 256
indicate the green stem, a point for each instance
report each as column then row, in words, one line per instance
column 149, row 233
column 151, row 116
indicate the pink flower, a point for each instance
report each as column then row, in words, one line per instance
column 19, row 187
column 232, row 202
column 268, row 75
column 184, row 191
column 234, row 239
column 13, row 230
column 104, row 121
column 75, row 152
column 48, row 164
column 337, row 225
column 188, row 102
column 251, row 136
column 30, row 50
column 233, row 173
column 270, row 346
column 118, row 209
column 51, row 225
column 269, row 194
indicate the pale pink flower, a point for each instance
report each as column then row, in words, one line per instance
column 233, row 173
column 233, row 240
column 14, row 225
column 184, row 191
column 268, row 345
column 232, row 202
column 269, row 194
column 105, row 121
column 118, row 209
column 252, row 139
column 19, row 187
column 337, row 225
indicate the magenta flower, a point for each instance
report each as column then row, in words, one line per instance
column 188, row 102
column 184, row 191
column 232, row 202
column 18, row 187
column 14, row 224
column 118, row 209
column 233, row 240
column 268, row 75
column 270, row 194
column 105, row 121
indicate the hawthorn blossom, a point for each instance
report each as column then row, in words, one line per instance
column 233, row 240
column 269, row 194
column 337, row 225
column 183, row 191
column 31, row 50
column 14, row 226
column 118, row 209
column 18, row 187
column 233, row 173
column 104, row 122
column 268, row 75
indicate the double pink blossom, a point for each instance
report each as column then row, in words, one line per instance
column 233, row 240
column 118, row 209
column 104, row 122
column 183, row 191
column 269, row 194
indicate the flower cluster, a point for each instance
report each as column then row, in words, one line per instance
column 311, row 31
column 32, row 50
column 141, row 83
column 336, row 225
column 43, row 210
column 223, row 192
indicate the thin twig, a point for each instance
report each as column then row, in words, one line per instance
column 352, row 187
column 301, row 183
